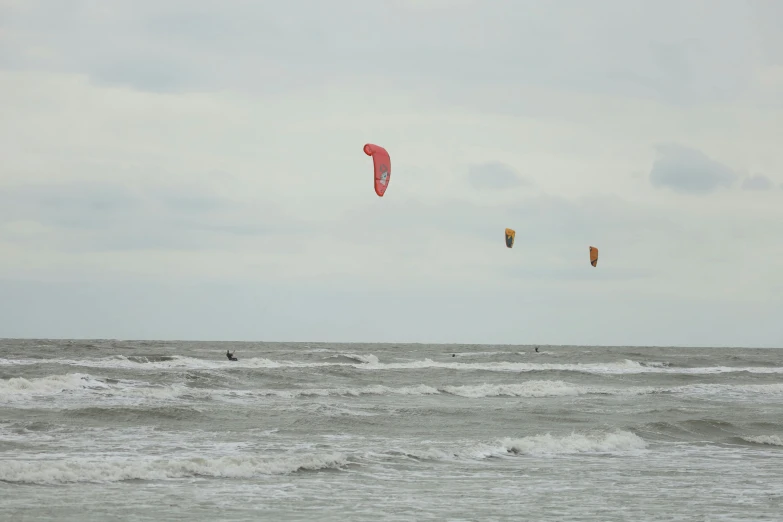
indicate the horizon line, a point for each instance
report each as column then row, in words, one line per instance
column 223, row 341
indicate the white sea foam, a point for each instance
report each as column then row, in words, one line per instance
column 49, row 471
column 53, row 384
column 370, row 362
column 113, row 468
column 615, row 443
column 524, row 389
column 75, row 385
column 772, row 440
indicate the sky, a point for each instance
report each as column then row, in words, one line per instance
column 190, row 169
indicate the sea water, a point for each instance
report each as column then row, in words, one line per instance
column 145, row 430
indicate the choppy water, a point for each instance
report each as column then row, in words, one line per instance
column 99, row 430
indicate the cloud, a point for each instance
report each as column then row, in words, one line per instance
column 268, row 48
column 689, row 171
column 495, row 176
column 70, row 205
column 757, row 182
column 765, row 14
column 203, row 165
column 107, row 216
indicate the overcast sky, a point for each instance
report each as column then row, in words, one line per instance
column 191, row 169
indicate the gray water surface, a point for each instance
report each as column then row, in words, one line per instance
column 145, row 430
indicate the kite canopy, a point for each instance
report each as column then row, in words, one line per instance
column 593, row 256
column 381, row 167
column 510, row 234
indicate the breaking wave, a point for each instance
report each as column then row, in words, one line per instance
column 545, row 445
column 617, row 442
column 54, row 384
column 41, row 471
column 117, row 469
column 19, row 389
column 370, row 362
column 770, row 440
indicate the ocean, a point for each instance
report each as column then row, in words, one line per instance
column 148, row 430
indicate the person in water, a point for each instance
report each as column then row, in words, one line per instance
column 536, row 349
column 230, row 355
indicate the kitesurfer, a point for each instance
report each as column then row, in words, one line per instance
column 230, row 355
column 536, row 349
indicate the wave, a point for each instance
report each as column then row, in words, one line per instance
column 370, row 362
column 770, row 440
column 482, row 354
column 138, row 415
column 529, row 352
column 625, row 366
column 711, row 430
column 117, row 469
column 150, row 358
column 614, row 443
column 20, row 389
column 526, row 389
column 51, row 385
column 41, row 471
column 354, row 358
